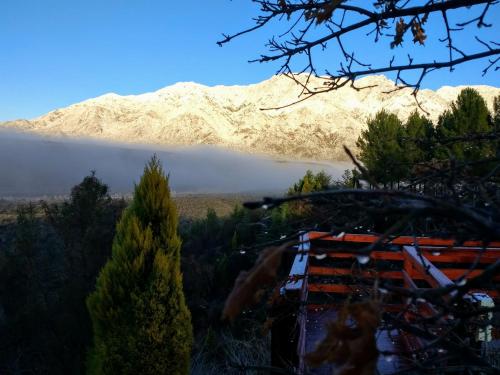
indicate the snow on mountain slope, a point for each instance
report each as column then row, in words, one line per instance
column 231, row 116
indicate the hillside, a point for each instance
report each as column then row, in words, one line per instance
column 231, row 116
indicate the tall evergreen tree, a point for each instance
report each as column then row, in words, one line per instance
column 419, row 138
column 381, row 149
column 140, row 320
column 496, row 113
column 495, row 120
column 468, row 115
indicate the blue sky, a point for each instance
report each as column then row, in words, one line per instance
column 58, row 52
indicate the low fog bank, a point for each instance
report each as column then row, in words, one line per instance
column 33, row 166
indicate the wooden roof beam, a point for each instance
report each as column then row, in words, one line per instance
column 402, row 240
column 420, row 264
column 297, row 275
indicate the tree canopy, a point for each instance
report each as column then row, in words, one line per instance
column 419, row 139
column 381, row 149
column 465, row 133
column 467, row 116
column 311, row 182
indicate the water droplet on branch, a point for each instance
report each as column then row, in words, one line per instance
column 389, row 357
column 363, row 259
column 320, row 256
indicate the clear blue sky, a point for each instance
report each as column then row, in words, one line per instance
column 58, row 52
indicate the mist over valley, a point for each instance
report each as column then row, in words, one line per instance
column 35, row 166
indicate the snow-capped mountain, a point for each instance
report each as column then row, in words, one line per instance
column 231, row 116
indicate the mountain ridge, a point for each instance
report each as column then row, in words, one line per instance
column 189, row 113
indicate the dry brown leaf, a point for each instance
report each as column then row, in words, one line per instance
column 350, row 340
column 327, row 11
column 309, row 14
column 266, row 327
column 275, row 297
column 284, row 8
column 249, row 285
column 418, row 33
column 400, row 30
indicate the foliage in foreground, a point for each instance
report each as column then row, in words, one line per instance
column 462, row 159
column 49, row 259
column 225, row 353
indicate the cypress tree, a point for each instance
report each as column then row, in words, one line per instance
column 140, row 319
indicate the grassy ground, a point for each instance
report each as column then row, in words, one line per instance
column 196, row 206
column 190, row 206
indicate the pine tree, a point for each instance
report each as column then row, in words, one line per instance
column 496, row 113
column 468, row 115
column 140, row 319
column 495, row 120
column 419, row 139
column 381, row 149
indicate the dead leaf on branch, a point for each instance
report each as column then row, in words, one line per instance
column 400, row 30
column 266, row 327
column 326, row 12
column 418, row 33
column 249, row 285
column 350, row 340
column 284, row 8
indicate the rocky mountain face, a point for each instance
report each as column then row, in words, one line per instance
column 231, row 116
